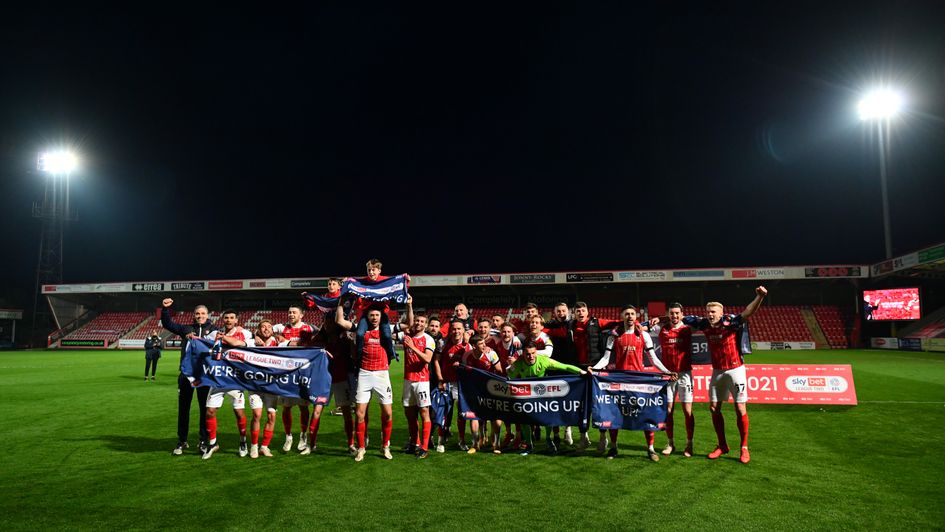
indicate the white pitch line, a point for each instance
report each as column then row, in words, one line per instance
column 909, row 402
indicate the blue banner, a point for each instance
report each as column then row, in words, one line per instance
column 629, row 400
column 557, row 401
column 390, row 289
column 289, row 372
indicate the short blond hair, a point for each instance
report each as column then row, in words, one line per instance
column 374, row 262
column 714, row 304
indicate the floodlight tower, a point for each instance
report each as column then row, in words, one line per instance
column 881, row 106
column 55, row 213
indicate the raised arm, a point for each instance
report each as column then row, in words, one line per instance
column 168, row 322
column 760, row 294
column 409, row 324
column 340, row 318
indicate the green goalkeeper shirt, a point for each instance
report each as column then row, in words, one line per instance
column 521, row 369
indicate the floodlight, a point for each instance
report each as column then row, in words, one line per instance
column 882, row 104
column 57, row 162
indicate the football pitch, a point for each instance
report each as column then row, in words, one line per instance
column 87, row 446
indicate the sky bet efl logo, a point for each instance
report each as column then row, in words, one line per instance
column 528, row 390
column 822, row 384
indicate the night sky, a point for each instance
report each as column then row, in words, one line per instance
column 451, row 139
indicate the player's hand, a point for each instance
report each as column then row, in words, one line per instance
column 761, row 291
column 673, row 377
column 167, row 302
column 409, row 299
column 190, row 336
column 654, row 322
column 407, row 277
column 195, row 383
column 441, row 385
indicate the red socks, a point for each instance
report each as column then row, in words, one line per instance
column 287, row 420
column 313, row 430
column 267, row 437
column 386, row 426
column 303, row 417
column 669, row 425
column 424, row 443
column 650, row 437
column 613, row 437
column 719, row 423
column 241, row 424
column 255, row 436
column 743, row 429
column 362, row 426
column 212, row 428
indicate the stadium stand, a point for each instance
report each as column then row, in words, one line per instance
column 834, row 324
column 109, row 326
column 771, row 323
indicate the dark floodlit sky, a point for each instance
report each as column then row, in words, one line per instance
column 464, row 138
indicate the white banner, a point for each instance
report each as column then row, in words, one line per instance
column 130, row 344
column 884, row 343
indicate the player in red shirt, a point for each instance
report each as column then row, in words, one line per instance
column 481, row 356
column 726, row 338
column 676, row 353
column 631, row 344
column 418, row 352
column 264, row 337
column 446, row 360
column 234, row 336
column 334, row 339
column 373, row 379
column 294, row 333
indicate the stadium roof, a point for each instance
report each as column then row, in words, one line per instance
column 928, row 263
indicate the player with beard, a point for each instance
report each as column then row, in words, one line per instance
column 630, row 346
column 234, row 336
column 445, row 362
column 294, row 333
column 418, row 352
column 676, row 353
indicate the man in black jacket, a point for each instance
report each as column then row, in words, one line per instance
column 152, row 352
column 185, row 392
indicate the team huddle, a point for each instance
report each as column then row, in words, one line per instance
column 360, row 338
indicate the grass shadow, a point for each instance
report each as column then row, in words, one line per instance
column 134, row 444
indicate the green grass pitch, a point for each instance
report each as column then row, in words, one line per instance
column 87, row 446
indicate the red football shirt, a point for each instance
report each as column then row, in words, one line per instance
column 415, row 368
column 627, row 352
column 676, row 348
column 373, row 356
column 448, row 355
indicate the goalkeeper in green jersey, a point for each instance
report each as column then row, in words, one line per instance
column 532, row 365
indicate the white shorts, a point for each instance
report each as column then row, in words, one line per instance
column 417, row 393
column 729, row 382
column 377, row 382
column 255, row 400
column 215, row 399
column 341, row 391
column 293, row 401
column 681, row 388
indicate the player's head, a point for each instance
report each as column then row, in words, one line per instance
column 201, row 314
column 374, row 318
column 562, row 312
column 535, row 324
column 530, row 352
column 373, row 267
column 714, row 312
column 334, row 284
column 295, row 314
column 230, row 319
column 153, row 332
column 419, row 324
column 629, row 315
column 507, row 332
column 478, row 342
column 531, row 309
column 497, row 321
column 265, row 329
column 674, row 312
column 457, row 330
column 461, row 311
column 484, row 327
column 580, row 311
column 433, row 325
